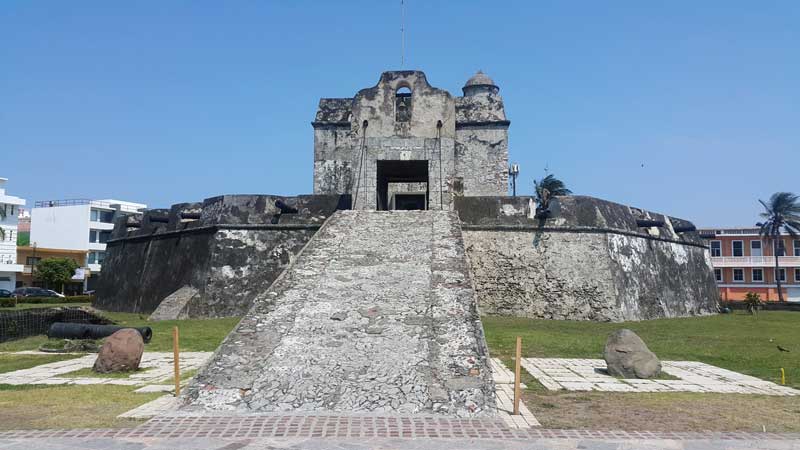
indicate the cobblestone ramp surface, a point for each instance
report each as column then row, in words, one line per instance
column 377, row 314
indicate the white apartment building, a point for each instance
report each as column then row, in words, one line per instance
column 79, row 224
column 9, row 208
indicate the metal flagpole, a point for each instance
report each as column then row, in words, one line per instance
column 402, row 34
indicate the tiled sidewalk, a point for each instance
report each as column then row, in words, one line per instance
column 365, row 427
column 589, row 375
column 504, row 396
column 158, row 367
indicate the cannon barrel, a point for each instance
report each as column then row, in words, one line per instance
column 285, row 209
column 190, row 215
column 647, row 223
column 66, row 330
column 159, row 219
column 685, row 228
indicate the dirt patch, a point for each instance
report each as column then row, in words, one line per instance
column 664, row 411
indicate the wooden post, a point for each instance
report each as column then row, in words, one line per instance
column 176, row 357
column 517, row 364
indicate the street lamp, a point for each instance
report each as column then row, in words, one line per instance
column 513, row 172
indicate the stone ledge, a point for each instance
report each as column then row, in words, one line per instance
column 576, row 229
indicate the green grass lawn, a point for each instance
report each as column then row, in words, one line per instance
column 195, row 334
column 88, row 372
column 738, row 342
column 21, row 306
column 10, row 363
column 92, row 406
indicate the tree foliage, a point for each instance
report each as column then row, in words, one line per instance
column 781, row 213
column 55, row 271
column 547, row 188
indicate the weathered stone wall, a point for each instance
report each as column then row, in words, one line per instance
column 481, row 160
column 588, row 262
column 229, row 249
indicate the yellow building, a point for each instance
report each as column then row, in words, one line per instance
column 30, row 256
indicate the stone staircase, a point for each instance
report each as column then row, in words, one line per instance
column 376, row 315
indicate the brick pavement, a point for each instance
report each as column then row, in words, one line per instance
column 331, row 426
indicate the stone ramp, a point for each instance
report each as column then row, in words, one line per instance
column 376, row 315
column 173, row 307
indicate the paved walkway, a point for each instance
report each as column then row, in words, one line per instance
column 257, row 432
column 692, row 376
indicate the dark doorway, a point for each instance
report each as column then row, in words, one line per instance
column 401, row 172
column 409, row 201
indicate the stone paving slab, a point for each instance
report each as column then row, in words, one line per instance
column 161, row 405
column 158, row 365
column 589, row 375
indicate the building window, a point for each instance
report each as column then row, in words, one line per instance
column 738, row 275
column 781, row 248
column 96, row 257
column 737, row 248
column 98, row 215
column 718, row 275
column 716, row 248
column 99, row 236
column 402, row 105
column 755, row 248
column 797, row 275
column 782, row 274
column 758, row 275
column 31, row 261
column 797, row 247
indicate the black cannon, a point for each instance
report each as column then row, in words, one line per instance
column 66, row 330
column 190, row 215
column 285, row 209
column 684, row 228
column 647, row 223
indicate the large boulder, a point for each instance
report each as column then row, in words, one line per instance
column 627, row 356
column 122, row 352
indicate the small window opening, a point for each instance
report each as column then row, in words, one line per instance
column 402, row 103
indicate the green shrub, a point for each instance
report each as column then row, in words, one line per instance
column 46, row 300
column 8, row 302
column 753, row 302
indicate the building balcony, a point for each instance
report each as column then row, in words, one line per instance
column 754, row 261
column 97, row 246
column 7, row 267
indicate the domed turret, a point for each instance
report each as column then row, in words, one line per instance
column 480, row 83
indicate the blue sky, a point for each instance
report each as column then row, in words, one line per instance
column 683, row 107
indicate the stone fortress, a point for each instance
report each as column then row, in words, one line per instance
column 350, row 302
column 404, row 144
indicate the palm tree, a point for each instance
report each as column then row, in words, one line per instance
column 782, row 211
column 546, row 189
